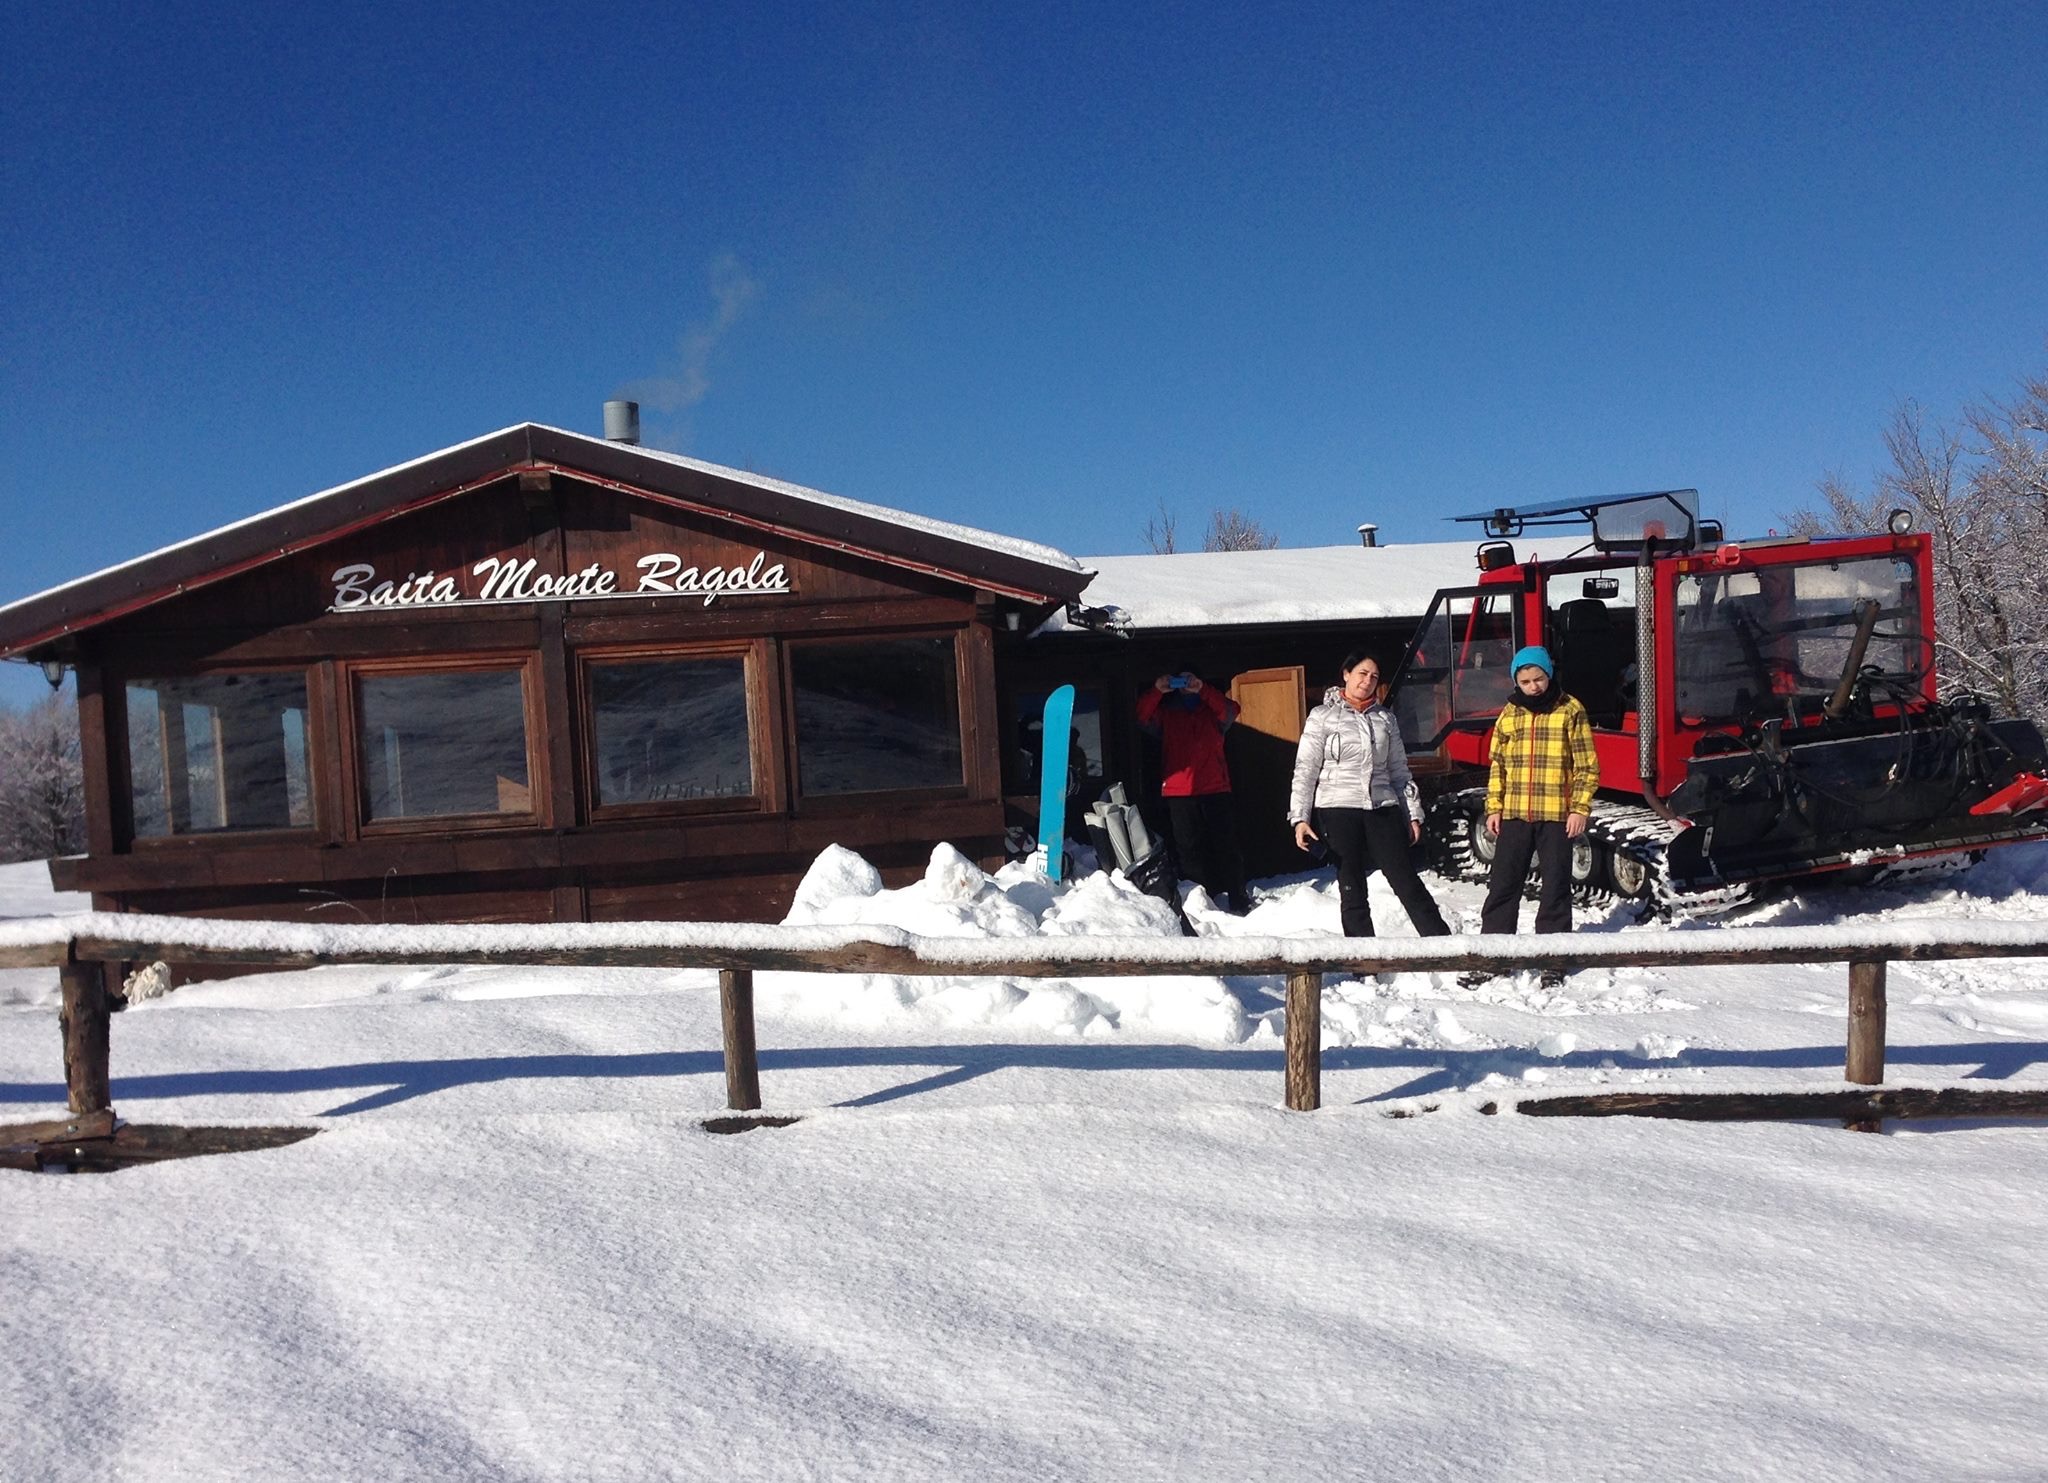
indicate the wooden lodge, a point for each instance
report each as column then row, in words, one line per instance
column 546, row 676
column 538, row 676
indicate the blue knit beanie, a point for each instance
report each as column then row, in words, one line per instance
column 1534, row 654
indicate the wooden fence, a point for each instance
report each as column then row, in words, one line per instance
column 85, row 949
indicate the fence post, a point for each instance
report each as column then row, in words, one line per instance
column 85, row 1023
column 742, row 1065
column 1866, row 1021
column 1304, row 1040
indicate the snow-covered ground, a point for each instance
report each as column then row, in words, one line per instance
column 1037, row 1229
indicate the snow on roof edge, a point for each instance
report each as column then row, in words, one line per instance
column 1036, row 551
column 1010, row 545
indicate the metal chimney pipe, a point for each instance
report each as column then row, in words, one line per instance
column 1368, row 535
column 622, row 422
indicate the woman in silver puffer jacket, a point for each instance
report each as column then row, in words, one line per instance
column 1353, row 792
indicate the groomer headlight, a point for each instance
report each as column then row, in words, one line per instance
column 1899, row 522
column 1493, row 555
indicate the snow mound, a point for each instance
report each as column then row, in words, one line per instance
column 957, row 898
column 837, row 875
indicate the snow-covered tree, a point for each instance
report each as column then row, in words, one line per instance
column 42, row 792
column 1979, row 487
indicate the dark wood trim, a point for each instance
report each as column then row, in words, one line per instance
column 203, row 841
column 538, row 773
column 981, row 728
column 333, row 819
column 368, row 635
column 114, row 727
column 655, row 623
column 551, row 705
column 774, row 734
column 838, row 805
column 734, row 843
column 888, row 801
column 67, row 611
column 747, row 651
column 97, row 778
column 114, row 724
column 556, row 707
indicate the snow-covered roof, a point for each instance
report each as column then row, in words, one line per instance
column 1003, row 561
column 1310, row 584
column 1012, row 545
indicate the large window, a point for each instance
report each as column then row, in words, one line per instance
column 217, row 752
column 1776, row 640
column 1457, row 671
column 434, row 743
column 877, row 715
column 669, row 729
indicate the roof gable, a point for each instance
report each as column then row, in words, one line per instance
column 1002, row 564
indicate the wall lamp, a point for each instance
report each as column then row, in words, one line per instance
column 53, row 671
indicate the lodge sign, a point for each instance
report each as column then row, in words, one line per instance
column 501, row 579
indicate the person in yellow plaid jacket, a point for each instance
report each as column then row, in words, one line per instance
column 1539, row 793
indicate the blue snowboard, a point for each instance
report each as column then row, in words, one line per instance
column 1052, row 778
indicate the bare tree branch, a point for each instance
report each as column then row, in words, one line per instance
column 1233, row 530
column 1159, row 531
column 1980, row 490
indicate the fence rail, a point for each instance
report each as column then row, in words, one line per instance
column 87, row 949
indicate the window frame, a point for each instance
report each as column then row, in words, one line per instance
column 355, row 781
column 121, row 760
column 754, row 669
column 832, row 804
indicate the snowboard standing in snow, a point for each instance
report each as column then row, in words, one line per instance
column 1052, row 779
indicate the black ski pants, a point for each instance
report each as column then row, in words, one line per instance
column 1519, row 840
column 1367, row 839
column 1205, row 842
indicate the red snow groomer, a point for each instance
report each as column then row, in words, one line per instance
column 1763, row 710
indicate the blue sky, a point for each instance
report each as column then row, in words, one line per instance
column 1037, row 268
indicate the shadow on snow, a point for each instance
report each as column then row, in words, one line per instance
column 387, row 1083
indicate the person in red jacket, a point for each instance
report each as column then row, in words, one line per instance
column 1189, row 718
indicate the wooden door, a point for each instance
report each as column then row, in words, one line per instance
column 1272, row 705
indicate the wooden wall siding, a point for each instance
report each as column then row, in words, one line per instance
column 712, row 891
column 688, row 843
column 761, row 897
column 280, row 610
column 556, row 863
column 615, row 530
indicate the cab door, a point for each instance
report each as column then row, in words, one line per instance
column 1454, row 675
